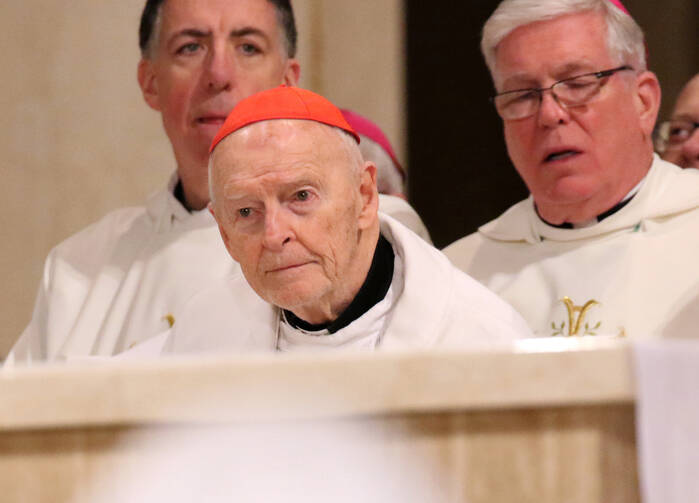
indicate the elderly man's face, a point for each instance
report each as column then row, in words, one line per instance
column 291, row 202
column 579, row 155
column 686, row 153
column 209, row 55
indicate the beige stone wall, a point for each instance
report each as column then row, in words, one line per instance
column 353, row 53
column 77, row 139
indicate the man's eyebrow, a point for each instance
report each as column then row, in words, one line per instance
column 248, row 30
column 573, row 69
column 232, row 192
column 300, row 182
column 519, row 81
column 525, row 81
column 190, row 32
column 240, row 32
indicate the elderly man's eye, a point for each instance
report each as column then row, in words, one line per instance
column 580, row 83
column 527, row 96
column 518, row 98
column 303, row 195
column 244, row 212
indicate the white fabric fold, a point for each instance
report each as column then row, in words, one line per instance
column 667, row 420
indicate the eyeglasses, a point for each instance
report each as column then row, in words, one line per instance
column 570, row 92
column 673, row 133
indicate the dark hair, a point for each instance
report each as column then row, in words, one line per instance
column 285, row 16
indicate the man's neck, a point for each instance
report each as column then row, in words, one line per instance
column 592, row 210
column 191, row 192
column 373, row 290
column 329, row 309
column 178, row 192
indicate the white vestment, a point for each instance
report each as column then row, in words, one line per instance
column 431, row 304
column 635, row 273
column 126, row 277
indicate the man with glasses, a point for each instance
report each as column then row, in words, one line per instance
column 677, row 139
column 607, row 241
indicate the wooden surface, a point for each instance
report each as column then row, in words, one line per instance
column 539, row 426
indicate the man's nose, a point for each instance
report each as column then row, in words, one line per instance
column 551, row 112
column 219, row 69
column 278, row 230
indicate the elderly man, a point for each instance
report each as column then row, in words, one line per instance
column 297, row 207
column 125, row 278
column 678, row 140
column 608, row 239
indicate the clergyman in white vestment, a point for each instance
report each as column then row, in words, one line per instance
column 607, row 242
column 296, row 206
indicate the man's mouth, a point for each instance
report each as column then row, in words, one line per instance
column 560, row 155
column 288, row 267
column 212, row 120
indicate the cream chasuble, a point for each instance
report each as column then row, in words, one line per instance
column 635, row 273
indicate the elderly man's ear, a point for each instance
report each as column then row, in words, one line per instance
column 648, row 100
column 369, row 195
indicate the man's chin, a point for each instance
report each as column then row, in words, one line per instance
column 561, row 200
column 570, row 190
column 199, row 141
column 289, row 297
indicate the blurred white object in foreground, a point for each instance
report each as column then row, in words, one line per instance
column 291, row 462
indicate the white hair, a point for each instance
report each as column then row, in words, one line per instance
column 625, row 41
column 349, row 145
column 389, row 179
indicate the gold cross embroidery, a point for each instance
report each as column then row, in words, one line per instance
column 575, row 322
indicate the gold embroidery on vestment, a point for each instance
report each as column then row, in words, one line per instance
column 576, row 317
column 170, row 319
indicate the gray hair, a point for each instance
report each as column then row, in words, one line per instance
column 389, row 179
column 349, row 145
column 625, row 40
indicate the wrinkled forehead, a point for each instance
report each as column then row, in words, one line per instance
column 564, row 43
column 226, row 15
column 282, row 144
column 282, row 134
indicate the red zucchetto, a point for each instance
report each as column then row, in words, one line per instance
column 282, row 102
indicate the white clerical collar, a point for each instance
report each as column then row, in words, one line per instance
column 363, row 334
